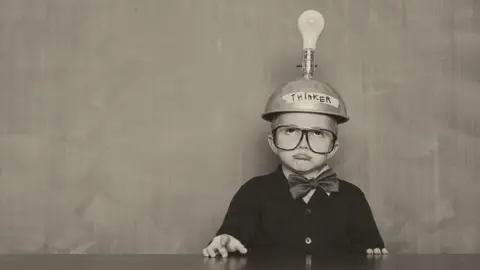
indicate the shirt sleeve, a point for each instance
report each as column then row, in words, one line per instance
column 362, row 228
column 243, row 215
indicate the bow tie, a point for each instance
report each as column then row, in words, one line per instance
column 300, row 186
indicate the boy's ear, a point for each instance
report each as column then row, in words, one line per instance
column 335, row 149
column 272, row 144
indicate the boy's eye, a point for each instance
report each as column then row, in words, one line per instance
column 318, row 133
column 291, row 130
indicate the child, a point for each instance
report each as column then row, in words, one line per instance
column 283, row 212
column 302, row 206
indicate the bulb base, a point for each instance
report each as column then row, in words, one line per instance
column 308, row 63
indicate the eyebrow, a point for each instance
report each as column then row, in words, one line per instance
column 297, row 126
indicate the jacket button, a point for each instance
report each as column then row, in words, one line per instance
column 308, row 211
column 308, row 240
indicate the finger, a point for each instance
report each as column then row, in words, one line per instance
column 237, row 246
column 242, row 249
column 231, row 245
column 377, row 251
column 205, row 253
column 223, row 252
column 384, row 251
column 369, row 251
column 211, row 252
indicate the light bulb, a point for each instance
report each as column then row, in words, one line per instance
column 310, row 24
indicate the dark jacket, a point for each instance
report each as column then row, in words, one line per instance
column 265, row 218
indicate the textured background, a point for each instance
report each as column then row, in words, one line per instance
column 126, row 126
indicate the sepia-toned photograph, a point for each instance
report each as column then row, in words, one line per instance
column 231, row 135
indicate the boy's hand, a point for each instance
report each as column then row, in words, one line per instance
column 377, row 251
column 223, row 244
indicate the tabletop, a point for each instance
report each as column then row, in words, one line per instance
column 198, row 262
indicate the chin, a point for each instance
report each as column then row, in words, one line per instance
column 301, row 168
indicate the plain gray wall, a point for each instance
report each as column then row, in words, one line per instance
column 127, row 126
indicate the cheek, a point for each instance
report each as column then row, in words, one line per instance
column 285, row 156
column 319, row 160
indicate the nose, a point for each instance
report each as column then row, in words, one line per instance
column 303, row 142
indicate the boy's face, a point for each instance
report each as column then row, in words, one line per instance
column 305, row 156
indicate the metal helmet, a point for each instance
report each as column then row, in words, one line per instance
column 305, row 94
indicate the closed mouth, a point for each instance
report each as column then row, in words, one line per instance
column 302, row 157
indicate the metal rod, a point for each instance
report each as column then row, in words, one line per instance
column 308, row 63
